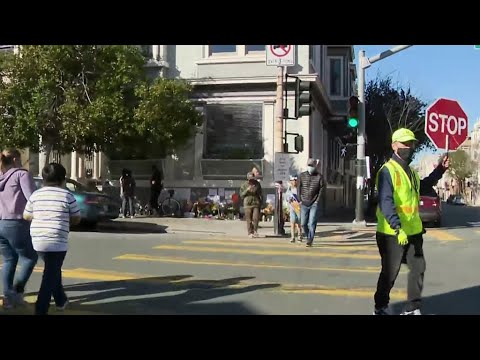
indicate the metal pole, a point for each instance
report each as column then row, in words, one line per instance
column 359, row 216
column 278, row 148
column 363, row 64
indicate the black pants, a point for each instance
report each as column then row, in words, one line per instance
column 51, row 282
column 393, row 255
column 154, row 195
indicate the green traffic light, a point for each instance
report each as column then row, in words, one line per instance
column 353, row 122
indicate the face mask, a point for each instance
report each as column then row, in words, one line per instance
column 311, row 169
column 406, row 154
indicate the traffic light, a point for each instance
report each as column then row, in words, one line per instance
column 303, row 98
column 299, row 143
column 352, row 120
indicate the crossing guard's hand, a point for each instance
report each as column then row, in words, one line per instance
column 402, row 237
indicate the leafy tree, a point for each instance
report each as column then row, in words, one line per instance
column 165, row 120
column 68, row 97
column 461, row 167
column 388, row 108
column 90, row 98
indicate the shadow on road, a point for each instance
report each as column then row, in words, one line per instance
column 458, row 302
column 162, row 295
column 124, row 227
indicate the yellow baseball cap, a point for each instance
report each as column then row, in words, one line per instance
column 403, row 135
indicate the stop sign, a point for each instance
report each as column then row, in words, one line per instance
column 446, row 118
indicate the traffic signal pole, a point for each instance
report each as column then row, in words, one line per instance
column 364, row 63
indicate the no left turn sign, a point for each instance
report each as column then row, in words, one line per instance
column 280, row 55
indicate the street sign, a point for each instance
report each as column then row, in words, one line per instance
column 281, row 167
column 280, row 55
column 446, row 124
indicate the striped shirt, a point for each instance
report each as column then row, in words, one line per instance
column 51, row 209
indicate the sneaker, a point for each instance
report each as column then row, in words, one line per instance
column 250, row 236
column 19, row 299
column 8, row 302
column 63, row 307
column 413, row 312
column 293, row 240
column 300, row 238
column 309, row 244
column 383, row 311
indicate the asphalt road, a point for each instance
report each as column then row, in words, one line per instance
column 208, row 272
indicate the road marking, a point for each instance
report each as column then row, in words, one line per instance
column 179, row 260
column 279, row 245
column 304, row 253
column 395, row 294
column 443, row 235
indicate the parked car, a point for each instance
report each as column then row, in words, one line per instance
column 431, row 208
column 94, row 206
column 456, row 200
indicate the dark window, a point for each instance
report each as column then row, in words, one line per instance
column 234, row 131
column 253, row 48
column 215, row 49
column 336, row 77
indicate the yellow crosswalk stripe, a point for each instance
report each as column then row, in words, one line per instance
column 215, row 262
column 305, row 252
column 280, row 245
column 443, row 235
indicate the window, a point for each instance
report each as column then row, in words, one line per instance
column 254, row 48
column 336, row 76
column 146, row 50
column 223, row 49
column 234, row 131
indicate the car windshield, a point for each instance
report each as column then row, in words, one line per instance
column 71, row 185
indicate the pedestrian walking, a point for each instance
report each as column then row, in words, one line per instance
column 309, row 189
column 16, row 186
column 51, row 209
column 251, row 193
column 399, row 226
column 293, row 201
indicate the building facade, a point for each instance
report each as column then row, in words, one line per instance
column 235, row 91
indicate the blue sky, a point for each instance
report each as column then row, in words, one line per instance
column 433, row 71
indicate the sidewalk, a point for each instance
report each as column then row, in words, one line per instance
column 236, row 228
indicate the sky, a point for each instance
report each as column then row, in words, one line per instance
column 433, row 71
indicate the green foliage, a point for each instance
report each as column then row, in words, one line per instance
column 67, row 97
column 388, row 108
column 89, row 98
column 461, row 166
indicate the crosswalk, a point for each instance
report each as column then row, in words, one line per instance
column 342, row 263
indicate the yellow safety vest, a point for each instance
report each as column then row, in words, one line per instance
column 406, row 197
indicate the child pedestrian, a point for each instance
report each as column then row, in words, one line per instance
column 51, row 209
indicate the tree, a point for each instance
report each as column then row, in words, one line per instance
column 389, row 108
column 461, row 167
column 164, row 121
column 90, row 98
column 68, row 97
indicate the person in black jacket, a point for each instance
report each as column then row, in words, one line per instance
column 156, row 186
column 310, row 186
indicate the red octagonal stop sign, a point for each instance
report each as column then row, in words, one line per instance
column 446, row 118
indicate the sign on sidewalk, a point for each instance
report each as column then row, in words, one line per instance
column 281, row 167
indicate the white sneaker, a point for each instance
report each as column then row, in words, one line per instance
column 62, row 308
column 414, row 312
